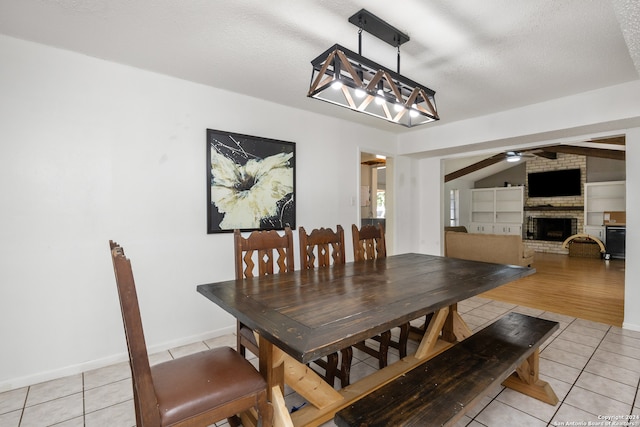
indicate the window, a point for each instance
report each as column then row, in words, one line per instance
column 380, row 210
column 454, row 207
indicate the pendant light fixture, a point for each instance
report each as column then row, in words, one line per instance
column 348, row 79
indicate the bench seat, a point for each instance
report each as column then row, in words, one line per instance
column 439, row 391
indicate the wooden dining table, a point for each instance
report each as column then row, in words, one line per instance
column 304, row 315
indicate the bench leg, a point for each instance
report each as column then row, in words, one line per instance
column 526, row 380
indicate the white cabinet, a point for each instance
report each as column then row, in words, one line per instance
column 601, row 197
column 594, row 231
column 497, row 210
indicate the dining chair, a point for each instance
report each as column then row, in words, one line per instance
column 195, row 390
column 261, row 253
column 323, row 248
column 369, row 243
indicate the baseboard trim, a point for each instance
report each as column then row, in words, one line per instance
column 39, row 377
column 630, row 326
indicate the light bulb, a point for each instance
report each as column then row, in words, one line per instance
column 360, row 93
column 336, row 84
column 414, row 111
column 398, row 106
column 380, row 97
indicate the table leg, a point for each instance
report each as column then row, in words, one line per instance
column 455, row 329
column 446, row 324
column 430, row 338
column 308, row 384
column 281, row 417
column 272, row 369
column 526, row 380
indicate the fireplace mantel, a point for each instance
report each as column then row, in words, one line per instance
column 549, row 208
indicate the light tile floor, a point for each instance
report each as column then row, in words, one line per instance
column 593, row 368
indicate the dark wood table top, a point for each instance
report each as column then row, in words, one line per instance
column 312, row 313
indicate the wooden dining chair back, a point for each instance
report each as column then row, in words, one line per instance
column 195, row 390
column 368, row 242
column 265, row 250
column 261, row 253
column 323, row 248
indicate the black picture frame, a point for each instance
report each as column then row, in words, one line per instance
column 251, row 183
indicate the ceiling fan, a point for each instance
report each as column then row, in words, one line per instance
column 515, row 156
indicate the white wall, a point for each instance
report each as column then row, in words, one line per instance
column 406, row 203
column 607, row 111
column 632, row 267
column 430, row 219
column 91, row 151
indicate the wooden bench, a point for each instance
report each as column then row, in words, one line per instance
column 439, row 391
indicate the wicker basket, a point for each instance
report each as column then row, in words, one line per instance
column 584, row 248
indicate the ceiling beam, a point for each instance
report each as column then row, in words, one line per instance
column 587, row 151
column 616, row 140
column 474, row 167
column 547, row 155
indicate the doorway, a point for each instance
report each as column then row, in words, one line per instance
column 376, row 191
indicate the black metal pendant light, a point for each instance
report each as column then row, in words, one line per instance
column 348, row 79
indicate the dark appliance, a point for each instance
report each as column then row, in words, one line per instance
column 616, row 237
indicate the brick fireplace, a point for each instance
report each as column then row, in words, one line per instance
column 548, row 220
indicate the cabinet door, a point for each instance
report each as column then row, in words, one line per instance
column 514, row 229
column 483, row 228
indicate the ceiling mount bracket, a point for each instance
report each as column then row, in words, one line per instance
column 379, row 28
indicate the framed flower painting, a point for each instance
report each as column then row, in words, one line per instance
column 251, row 183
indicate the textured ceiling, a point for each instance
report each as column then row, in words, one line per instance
column 479, row 56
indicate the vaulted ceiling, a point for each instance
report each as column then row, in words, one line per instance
column 479, row 56
column 473, row 168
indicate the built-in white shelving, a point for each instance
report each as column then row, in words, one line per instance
column 497, row 210
column 601, row 197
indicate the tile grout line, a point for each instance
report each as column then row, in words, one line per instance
column 562, row 402
column 84, row 403
column 582, row 370
column 635, row 398
column 24, row 405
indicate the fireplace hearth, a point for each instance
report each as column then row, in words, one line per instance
column 551, row 229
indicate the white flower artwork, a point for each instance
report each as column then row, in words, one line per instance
column 252, row 182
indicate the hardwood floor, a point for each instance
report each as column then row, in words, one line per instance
column 587, row 288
